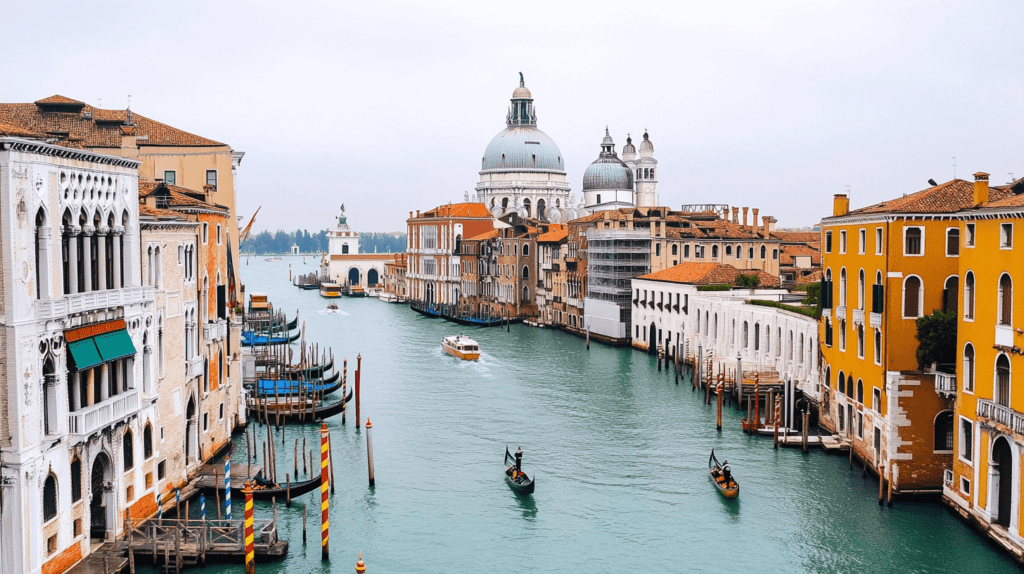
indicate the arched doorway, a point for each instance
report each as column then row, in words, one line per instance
column 1003, row 475
column 371, row 278
column 430, row 294
column 652, row 340
column 353, row 276
column 190, row 431
column 541, row 208
column 99, row 503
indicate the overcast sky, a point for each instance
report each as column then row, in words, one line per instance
column 388, row 106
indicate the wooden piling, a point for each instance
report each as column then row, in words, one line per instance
column 892, row 473
column 750, row 417
column 369, row 451
column 778, row 407
column 757, row 402
column 330, row 459
column 359, row 367
column 295, row 457
column 287, row 490
column 216, row 493
column 324, row 504
column 803, row 430
column 881, row 484
column 303, row 524
column 721, row 392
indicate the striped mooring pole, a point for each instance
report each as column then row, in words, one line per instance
column 159, row 507
column 227, row 488
column 324, row 486
column 344, row 383
column 250, row 552
column 202, row 507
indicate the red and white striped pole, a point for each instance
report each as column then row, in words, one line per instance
column 324, row 486
column 250, row 552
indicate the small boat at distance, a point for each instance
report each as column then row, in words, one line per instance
column 721, row 474
column 333, row 308
column 521, row 484
column 462, row 347
column 330, row 290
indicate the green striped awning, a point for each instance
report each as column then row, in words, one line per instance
column 114, row 345
column 84, row 353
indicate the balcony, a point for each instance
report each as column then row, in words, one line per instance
column 999, row 414
column 215, row 331
column 858, row 316
column 876, row 320
column 1004, row 335
column 841, row 312
column 194, row 367
column 826, row 312
column 945, row 384
column 546, row 266
column 50, row 309
column 84, row 422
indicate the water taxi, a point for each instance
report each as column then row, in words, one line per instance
column 332, row 308
column 462, row 347
column 330, row 290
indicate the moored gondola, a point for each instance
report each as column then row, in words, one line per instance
column 266, row 490
column 722, row 476
column 517, row 480
column 253, row 340
column 289, row 388
column 294, row 414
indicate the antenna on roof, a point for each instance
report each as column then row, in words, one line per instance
column 100, row 100
column 954, row 166
column 1010, row 173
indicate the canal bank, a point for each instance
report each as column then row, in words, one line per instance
column 619, row 452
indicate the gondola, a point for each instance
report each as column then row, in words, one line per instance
column 287, row 388
column 319, row 413
column 522, row 484
column 428, row 311
column 722, row 477
column 279, row 491
column 261, row 340
column 311, row 372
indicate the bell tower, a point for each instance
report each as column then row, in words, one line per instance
column 645, row 169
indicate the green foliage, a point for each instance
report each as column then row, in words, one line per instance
column 714, row 287
column 813, row 297
column 936, row 335
column 814, row 313
column 748, row 281
column 280, row 242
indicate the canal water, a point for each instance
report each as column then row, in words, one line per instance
column 619, row 452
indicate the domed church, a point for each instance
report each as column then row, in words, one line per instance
column 522, row 168
column 612, row 183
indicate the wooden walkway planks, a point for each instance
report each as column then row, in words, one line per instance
column 103, row 560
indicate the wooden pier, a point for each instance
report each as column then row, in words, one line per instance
column 103, row 560
column 175, row 544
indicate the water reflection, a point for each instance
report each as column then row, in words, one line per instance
column 527, row 504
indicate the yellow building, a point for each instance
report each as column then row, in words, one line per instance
column 885, row 266
column 984, row 484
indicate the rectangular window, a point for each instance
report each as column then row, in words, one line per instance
column 969, row 235
column 860, row 342
column 878, row 241
column 206, row 233
column 206, row 422
column 842, row 241
column 842, row 334
column 876, row 400
column 211, row 178
column 860, row 425
column 828, row 242
column 76, row 528
column 966, row 440
column 51, row 545
column 965, row 485
column 170, row 177
column 218, row 234
column 913, row 241
column 222, row 411
column 862, row 241
column 160, row 468
column 878, row 347
column 952, row 242
column 1006, row 236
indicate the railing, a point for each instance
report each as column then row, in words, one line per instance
column 90, row 419
column 215, row 331
column 93, row 300
column 194, row 367
column 1002, row 415
column 945, row 383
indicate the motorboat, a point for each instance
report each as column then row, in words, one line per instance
column 462, row 347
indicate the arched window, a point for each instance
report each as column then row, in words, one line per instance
column 969, row 295
column 526, row 294
column 1005, row 300
column 714, row 252
column 757, row 336
column 778, row 346
column 912, row 295
column 526, row 272
column 739, row 251
column 1003, row 380
column 801, row 347
column 728, row 250
column 842, row 383
column 147, row 442
column 969, row 367
column 750, row 253
column 842, row 287
column 791, row 345
column 675, row 249
column 944, row 431
column 129, row 451
column 41, row 238
column 76, row 479
column 657, row 250
column 860, row 290
column 953, row 241
column 746, row 340
column 764, row 252
column 768, row 339
column 951, row 294
column 50, row 498
column 526, row 250
column 860, row 391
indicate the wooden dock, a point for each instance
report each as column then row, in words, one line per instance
column 176, row 544
column 828, row 442
column 103, row 560
column 211, row 476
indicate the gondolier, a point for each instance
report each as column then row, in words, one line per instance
column 519, row 459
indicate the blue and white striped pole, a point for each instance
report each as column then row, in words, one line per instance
column 202, row 507
column 177, row 503
column 159, row 507
column 227, row 488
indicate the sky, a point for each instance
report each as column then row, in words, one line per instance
column 387, row 106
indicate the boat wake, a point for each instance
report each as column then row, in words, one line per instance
column 326, row 312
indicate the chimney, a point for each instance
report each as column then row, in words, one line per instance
column 417, row 213
column 745, row 217
column 735, row 215
column 767, row 220
column 753, row 222
column 840, row 205
column 980, row 188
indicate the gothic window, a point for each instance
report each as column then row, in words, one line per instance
column 1005, row 300
column 147, row 442
column 526, row 250
column 842, row 383
column 969, row 367
column 860, row 391
column 969, row 295
column 129, row 451
column 50, row 498
column 764, row 252
column 1003, row 380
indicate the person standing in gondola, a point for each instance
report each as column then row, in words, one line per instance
column 519, row 460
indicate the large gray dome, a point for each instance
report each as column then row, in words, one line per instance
column 522, row 147
column 608, row 171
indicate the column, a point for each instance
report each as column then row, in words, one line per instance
column 101, row 257
column 90, row 387
column 73, row 258
column 147, row 366
column 44, row 261
column 118, row 231
column 87, row 232
column 104, row 383
column 76, row 390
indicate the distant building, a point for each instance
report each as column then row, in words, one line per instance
column 433, row 268
column 344, row 264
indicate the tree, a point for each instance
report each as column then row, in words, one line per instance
column 936, row 335
column 748, row 281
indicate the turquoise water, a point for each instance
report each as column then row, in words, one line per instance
column 619, row 452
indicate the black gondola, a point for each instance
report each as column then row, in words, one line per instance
column 319, row 413
column 721, row 474
column 279, row 491
column 311, row 372
column 289, row 388
column 521, row 484
column 260, row 340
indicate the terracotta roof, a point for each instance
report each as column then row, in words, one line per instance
column 556, row 232
column 709, row 274
column 93, row 127
column 459, row 210
column 946, row 197
column 1009, row 201
column 484, row 236
column 145, row 210
column 798, row 236
column 788, row 252
column 812, row 277
column 16, row 131
column 179, row 196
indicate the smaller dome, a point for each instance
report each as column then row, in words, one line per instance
column 607, row 171
column 628, row 148
column 522, row 93
column 646, row 145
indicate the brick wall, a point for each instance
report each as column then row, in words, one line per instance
column 64, row 560
column 919, row 465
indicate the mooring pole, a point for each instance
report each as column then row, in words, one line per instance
column 359, row 367
column 778, row 414
column 344, row 383
column 227, row 488
column 250, row 552
column 324, row 483
column 369, row 451
column 721, row 391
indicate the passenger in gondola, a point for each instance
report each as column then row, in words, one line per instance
column 726, row 474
